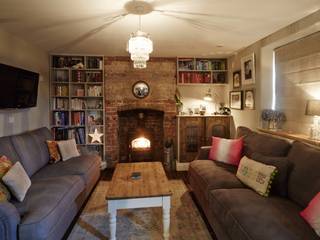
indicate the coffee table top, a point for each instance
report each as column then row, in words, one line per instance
column 152, row 183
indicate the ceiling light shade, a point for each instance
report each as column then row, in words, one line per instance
column 139, row 47
column 208, row 96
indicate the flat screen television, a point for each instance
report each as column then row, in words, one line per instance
column 18, row 87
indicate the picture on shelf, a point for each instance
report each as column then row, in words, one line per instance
column 235, row 100
column 94, row 118
column 237, row 79
column 249, row 99
column 248, row 70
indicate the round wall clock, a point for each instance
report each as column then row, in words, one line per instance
column 140, row 89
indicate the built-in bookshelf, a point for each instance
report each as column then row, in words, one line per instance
column 77, row 99
column 191, row 71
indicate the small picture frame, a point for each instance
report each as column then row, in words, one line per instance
column 140, row 89
column 249, row 99
column 235, row 100
column 248, row 71
column 237, row 79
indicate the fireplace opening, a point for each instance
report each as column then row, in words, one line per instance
column 141, row 135
column 140, row 143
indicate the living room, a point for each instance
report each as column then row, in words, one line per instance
column 149, row 119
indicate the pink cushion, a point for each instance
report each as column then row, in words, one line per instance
column 226, row 150
column 312, row 213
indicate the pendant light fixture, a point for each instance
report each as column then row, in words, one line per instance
column 139, row 46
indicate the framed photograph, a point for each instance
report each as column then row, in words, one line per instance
column 140, row 89
column 237, row 79
column 235, row 100
column 249, row 99
column 248, row 71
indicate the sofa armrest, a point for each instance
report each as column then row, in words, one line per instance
column 203, row 153
column 9, row 220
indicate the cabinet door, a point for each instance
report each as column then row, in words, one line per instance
column 218, row 127
column 191, row 132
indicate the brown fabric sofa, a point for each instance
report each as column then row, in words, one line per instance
column 237, row 212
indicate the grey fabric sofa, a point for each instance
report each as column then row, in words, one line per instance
column 236, row 212
column 57, row 192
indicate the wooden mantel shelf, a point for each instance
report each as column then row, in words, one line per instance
column 292, row 136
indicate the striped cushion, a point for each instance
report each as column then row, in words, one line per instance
column 226, row 150
column 312, row 213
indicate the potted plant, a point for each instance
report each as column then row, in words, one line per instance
column 273, row 118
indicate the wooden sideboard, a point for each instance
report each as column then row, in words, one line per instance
column 196, row 131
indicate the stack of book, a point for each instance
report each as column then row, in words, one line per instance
column 77, row 104
column 61, row 118
column 95, row 91
column 78, row 118
column 94, row 63
column 93, row 77
column 218, row 65
column 61, row 90
column 60, row 104
column 78, row 134
column 203, row 65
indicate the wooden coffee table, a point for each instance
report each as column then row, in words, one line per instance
column 151, row 190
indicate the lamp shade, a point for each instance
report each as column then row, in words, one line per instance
column 313, row 108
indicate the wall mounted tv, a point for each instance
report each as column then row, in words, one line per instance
column 18, row 87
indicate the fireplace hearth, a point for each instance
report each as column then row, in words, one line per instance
column 141, row 135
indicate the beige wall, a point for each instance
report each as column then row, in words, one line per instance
column 298, row 80
column 263, row 51
column 192, row 97
column 18, row 53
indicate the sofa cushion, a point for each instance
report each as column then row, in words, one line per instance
column 262, row 143
column 280, row 182
column 246, row 215
column 32, row 149
column 17, row 180
column 7, row 149
column 45, row 202
column 304, row 179
column 226, row 150
column 256, row 175
column 75, row 166
column 312, row 213
column 214, row 175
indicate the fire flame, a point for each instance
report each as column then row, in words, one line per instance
column 141, row 142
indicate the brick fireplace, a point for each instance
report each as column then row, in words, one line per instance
column 128, row 118
column 140, row 135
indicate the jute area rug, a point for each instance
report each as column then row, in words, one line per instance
column 186, row 222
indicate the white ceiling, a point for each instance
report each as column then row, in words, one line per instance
column 181, row 28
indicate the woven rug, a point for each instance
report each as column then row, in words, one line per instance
column 186, row 222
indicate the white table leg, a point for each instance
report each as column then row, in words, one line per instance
column 166, row 217
column 112, row 211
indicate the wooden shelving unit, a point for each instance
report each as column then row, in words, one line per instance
column 77, row 99
column 193, row 71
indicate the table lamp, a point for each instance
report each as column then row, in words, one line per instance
column 313, row 109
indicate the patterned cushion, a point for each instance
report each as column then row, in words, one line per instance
column 5, row 165
column 256, row 175
column 226, row 150
column 53, row 151
column 312, row 213
column 4, row 193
